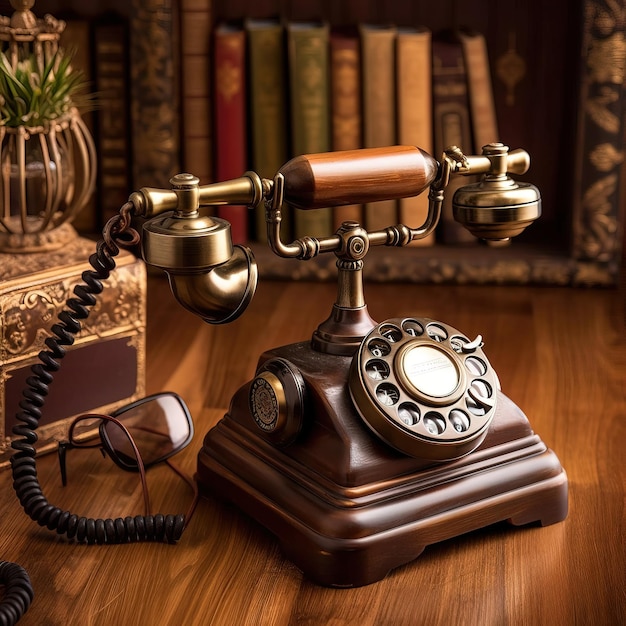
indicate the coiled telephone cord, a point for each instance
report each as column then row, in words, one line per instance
column 18, row 593
column 157, row 527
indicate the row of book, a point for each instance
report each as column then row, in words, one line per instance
column 132, row 63
column 284, row 89
column 100, row 52
column 234, row 97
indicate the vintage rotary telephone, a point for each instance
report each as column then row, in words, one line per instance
column 372, row 440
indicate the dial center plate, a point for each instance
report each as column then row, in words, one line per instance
column 430, row 370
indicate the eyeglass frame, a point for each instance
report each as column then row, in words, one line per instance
column 107, row 448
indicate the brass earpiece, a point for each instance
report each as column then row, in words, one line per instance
column 208, row 275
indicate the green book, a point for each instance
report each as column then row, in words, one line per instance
column 309, row 77
column 379, row 108
column 268, row 104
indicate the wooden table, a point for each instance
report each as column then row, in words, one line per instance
column 561, row 356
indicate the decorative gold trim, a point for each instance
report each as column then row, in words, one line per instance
column 596, row 236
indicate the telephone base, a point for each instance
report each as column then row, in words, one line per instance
column 346, row 508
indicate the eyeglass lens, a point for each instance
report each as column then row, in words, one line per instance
column 160, row 426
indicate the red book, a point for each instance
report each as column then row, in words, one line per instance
column 230, row 119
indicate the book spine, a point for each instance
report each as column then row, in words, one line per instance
column 268, row 108
column 195, row 62
column 345, row 81
column 414, row 94
column 481, row 98
column 76, row 39
column 598, row 164
column 230, row 119
column 153, row 93
column 379, row 108
column 308, row 59
column 451, row 121
column 111, row 62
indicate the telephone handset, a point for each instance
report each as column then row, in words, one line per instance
column 424, row 388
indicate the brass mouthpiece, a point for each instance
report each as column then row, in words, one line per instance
column 498, row 208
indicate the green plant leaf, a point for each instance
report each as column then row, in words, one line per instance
column 31, row 94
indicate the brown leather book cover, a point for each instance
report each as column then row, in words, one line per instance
column 154, row 93
column 451, row 122
column 415, row 128
column 195, row 88
column 113, row 136
column 480, row 90
column 346, row 119
column 231, row 154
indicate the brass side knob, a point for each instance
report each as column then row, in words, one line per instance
column 276, row 399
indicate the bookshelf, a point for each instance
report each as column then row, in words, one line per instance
column 565, row 106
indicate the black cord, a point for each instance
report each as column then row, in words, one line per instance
column 18, row 593
column 158, row 527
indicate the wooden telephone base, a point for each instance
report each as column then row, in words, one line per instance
column 345, row 507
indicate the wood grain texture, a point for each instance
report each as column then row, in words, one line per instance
column 366, row 175
column 561, row 356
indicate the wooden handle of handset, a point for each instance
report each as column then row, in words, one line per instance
column 313, row 181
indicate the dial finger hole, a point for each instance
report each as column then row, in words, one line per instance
column 379, row 347
column 387, row 394
column 436, row 332
column 474, row 408
column 476, row 366
column 481, row 388
column 457, row 342
column 391, row 333
column 377, row 369
column 459, row 420
column 434, row 423
column 409, row 413
column 412, row 327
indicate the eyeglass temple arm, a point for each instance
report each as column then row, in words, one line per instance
column 65, row 445
column 140, row 466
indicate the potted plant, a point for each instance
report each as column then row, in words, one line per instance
column 47, row 156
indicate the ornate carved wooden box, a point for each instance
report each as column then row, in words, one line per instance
column 105, row 367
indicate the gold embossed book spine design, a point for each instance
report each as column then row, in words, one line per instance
column 268, row 104
column 308, row 45
column 154, row 93
column 600, row 152
column 195, row 88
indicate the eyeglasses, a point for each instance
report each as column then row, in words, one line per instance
column 135, row 437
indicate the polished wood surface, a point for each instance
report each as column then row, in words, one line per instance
column 313, row 181
column 561, row 356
